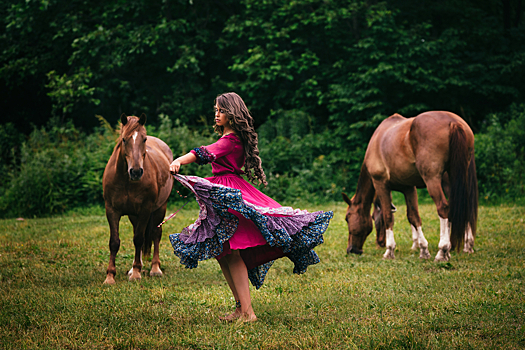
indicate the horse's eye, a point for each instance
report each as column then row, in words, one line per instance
column 123, row 141
column 346, row 219
column 145, row 139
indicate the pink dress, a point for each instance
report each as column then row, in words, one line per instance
column 227, row 156
column 236, row 215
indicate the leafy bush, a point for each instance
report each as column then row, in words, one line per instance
column 59, row 168
column 500, row 155
column 305, row 163
column 47, row 178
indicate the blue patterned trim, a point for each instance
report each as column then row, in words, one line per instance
column 204, row 156
column 298, row 247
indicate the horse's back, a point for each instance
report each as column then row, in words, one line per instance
column 401, row 148
column 388, row 151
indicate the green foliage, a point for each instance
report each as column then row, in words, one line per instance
column 46, row 181
column 500, row 155
column 303, row 163
column 67, row 92
column 59, row 168
column 318, row 76
column 10, row 141
column 182, row 139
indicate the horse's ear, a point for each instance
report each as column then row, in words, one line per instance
column 124, row 119
column 142, row 119
column 346, row 199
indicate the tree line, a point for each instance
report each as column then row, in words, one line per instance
column 318, row 76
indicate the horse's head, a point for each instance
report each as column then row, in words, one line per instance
column 133, row 144
column 359, row 225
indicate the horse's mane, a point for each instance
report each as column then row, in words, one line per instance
column 131, row 126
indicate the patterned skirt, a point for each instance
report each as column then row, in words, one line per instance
column 235, row 215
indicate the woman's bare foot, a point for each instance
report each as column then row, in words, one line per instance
column 231, row 317
column 244, row 318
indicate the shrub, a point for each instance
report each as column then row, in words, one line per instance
column 500, row 155
column 305, row 163
column 47, row 179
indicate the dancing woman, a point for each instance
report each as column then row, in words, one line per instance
column 241, row 227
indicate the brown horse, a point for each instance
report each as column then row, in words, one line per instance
column 137, row 183
column 433, row 150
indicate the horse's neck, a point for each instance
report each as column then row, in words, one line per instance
column 364, row 195
column 120, row 162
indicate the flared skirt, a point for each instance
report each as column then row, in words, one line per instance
column 235, row 215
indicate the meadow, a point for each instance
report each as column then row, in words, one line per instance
column 52, row 269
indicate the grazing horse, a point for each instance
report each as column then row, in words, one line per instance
column 433, row 150
column 137, row 183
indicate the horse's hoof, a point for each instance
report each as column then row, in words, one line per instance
column 415, row 246
column 442, row 257
column 134, row 275
column 110, row 279
column 155, row 273
column 135, row 278
column 468, row 250
column 424, row 256
column 389, row 254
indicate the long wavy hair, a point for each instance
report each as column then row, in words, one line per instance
column 241, row 122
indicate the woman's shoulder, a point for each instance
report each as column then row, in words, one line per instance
column 232, row 138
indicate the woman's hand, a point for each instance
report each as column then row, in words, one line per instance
column 185, row 159
column 175, row 166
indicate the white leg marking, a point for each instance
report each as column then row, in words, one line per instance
column 469, row 241
column 415, row 238
column 390, row 245
column 130, row 272
column 423, row 244
column 444, row 241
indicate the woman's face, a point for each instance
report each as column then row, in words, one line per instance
column 221, row 119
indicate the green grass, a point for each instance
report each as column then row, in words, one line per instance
column 51, row 274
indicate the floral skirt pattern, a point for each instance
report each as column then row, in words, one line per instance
column 294, row 231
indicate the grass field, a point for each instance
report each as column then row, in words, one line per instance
column 51, row 273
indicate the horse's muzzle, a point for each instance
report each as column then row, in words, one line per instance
column 136, row 174
column 354, row 250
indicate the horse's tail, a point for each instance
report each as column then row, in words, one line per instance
column 463, row 200
column 473, row 198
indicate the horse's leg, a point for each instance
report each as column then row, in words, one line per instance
column 114, row 244
column 385, row 199
column 436, row 192
column 156, row 234
column 380, row 227
column 469, row 241
column 418, row 239
column 139, row 227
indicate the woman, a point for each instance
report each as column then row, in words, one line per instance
column 241, row 227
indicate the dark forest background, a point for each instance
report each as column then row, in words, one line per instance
column 318, row 76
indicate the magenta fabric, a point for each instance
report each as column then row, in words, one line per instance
column 228, row 154
column 227, row 160
column 247, row 234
